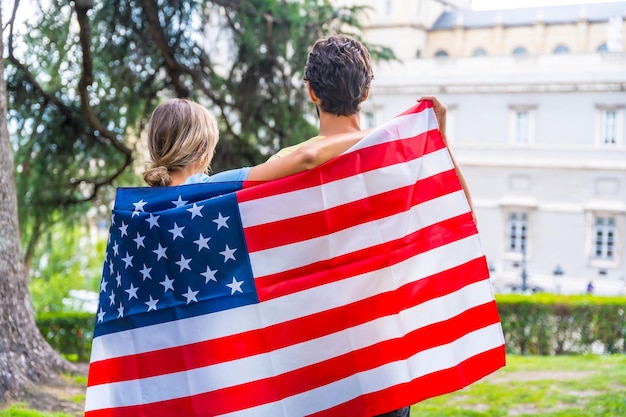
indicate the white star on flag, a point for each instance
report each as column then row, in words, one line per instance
column 183, row 263
column 116, row 249
column 153, row 220
column 139, row 241
column 120, row 311
column 100, row 315
column 160, row 252
column 145, row 272
column 180, row 202
column 209, row 275
column 228, row 253
column 202, row 242
column 177, row 231
column 152, row 304
column 123, row 230
column 221, row 221
column 235, row 286
column 139, row 207
column 168, row 284
column 128, row 260
column 191, row 295
column 195, row 210
column 118, row 278
column 132, row 292
column 103, row 285
column 112, row 298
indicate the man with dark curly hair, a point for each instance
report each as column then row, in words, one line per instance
column 338, row 74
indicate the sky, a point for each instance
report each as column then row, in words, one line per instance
column 7, row 5
column 508, row 4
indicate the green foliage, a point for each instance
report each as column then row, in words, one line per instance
column 68, row 333
column 18, row 411
column 66, row 260
column 546, row 324
column 87, row 75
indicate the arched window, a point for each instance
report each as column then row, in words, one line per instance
column 441, row 54
column 561, row 49
column 602, row 48
column 520, row 50
column 479, row 52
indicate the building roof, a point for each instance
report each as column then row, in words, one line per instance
column 595, row 12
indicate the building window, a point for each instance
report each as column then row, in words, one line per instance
column 479, row 52
column 522, row 122
column 520, row 50
column 602, row 48
column 517, row 232
column 522, row 125
column 441, row 54
column 604, row 237
column 389, row 7
column 610, row 125
column 561, row 49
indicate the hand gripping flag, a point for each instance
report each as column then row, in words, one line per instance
column 351, row 289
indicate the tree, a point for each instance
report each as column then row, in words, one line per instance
column 82, row 80
column 88, row 74
column 25, row 357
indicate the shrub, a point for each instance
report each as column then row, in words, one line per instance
column 547, row 324
column 68, row 333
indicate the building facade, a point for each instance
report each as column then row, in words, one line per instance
column 537, row 102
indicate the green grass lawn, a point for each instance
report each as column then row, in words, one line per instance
column 538, row 386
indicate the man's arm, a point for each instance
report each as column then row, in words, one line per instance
column 306, row 156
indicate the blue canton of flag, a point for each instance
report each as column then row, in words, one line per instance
column 173, row 252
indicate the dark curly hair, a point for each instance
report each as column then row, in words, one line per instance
column 339, row 70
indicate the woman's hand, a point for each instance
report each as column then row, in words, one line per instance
column 440, row 110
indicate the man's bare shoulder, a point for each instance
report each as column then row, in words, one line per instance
column 289, row 149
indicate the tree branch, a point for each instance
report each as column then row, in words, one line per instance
column 158, row 36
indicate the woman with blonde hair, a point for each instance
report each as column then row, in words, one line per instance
column 182, row 136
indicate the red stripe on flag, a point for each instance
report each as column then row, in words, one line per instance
column 301, row 228
column 272, row 389
column 349, row 164
column 237, row 346
column 421, row 106
column 427, row 386
column 365, row 260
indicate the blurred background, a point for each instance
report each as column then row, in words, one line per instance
column 536, row 96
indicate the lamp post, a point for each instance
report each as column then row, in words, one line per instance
column 524, row 274
column 558, row 276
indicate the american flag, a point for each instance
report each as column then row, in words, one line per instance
column 351, row 289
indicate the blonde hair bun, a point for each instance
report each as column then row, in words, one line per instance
column 157, row 177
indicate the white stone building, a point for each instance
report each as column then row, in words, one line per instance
column 537, row 100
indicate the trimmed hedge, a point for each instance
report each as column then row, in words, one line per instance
column 68, row 333
column 539, row 324
column 548, row 324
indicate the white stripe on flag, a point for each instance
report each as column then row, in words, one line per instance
column 405, row 126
